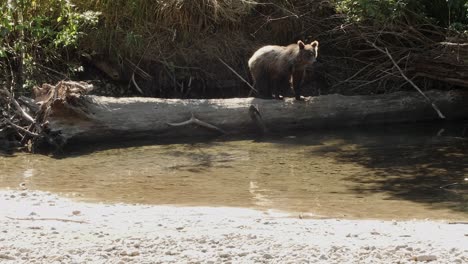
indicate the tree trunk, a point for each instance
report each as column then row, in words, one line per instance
column 123, row 118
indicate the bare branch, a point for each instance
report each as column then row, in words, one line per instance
column 46, row 219
column 136, row 85
column 238, row 75
column 407, row 79
column 196, row 121
column 32, row 134
column 18, row 107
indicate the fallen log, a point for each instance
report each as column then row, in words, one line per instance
column 101, row 118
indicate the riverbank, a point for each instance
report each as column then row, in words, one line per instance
column 66, row 231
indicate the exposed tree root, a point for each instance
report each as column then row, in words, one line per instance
column 27, row 120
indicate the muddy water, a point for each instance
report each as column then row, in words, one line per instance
column 399, row 172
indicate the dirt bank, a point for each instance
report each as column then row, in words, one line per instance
column 66, row 231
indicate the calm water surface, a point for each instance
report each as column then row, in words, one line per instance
column 397, row 172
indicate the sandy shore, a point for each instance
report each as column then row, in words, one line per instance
column 38, row 227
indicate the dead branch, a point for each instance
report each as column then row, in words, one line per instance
column 18, row 108
column 429, row 63
column 24, row 130
column 454, row 44
column 138, row 70
column 352, row 77
column 238, row 75
column 196, row 121
column 136, row 85
column 33, row 128
column 30, row 103
column 407, row 79
column 458, row 223
column 77, row 87
column 46, row 219
column 67, row 94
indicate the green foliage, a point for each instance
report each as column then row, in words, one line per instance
column 365, row 10
column 34, row 34
column 451, row 14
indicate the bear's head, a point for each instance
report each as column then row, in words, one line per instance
column 307, row 52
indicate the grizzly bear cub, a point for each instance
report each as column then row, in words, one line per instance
column 274, row 68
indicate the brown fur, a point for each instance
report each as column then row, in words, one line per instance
column 273, row 68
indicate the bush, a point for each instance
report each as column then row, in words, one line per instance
column 446, row 13
column 371, row 10
column 178, row 42
column 35, row 37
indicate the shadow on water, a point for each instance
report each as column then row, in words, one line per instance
column 73, row 149
column 366, row 172
column 423, row 163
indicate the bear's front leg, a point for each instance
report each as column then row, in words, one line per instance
column 282, row 86
column 297, row 82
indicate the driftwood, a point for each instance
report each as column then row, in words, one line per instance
column 17, row 124
column 23, row 121
column 96, row 118
column 63, row 113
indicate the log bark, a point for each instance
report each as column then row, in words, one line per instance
column 124, row 118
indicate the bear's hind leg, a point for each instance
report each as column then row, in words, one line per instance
column 263, row 85
column 282, row 86
column 275, row 89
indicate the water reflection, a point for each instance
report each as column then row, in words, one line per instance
column 383, row 172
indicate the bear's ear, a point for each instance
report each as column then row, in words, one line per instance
column 314, row 44
column 301, row 44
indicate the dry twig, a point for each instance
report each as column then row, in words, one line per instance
column 46, row 219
